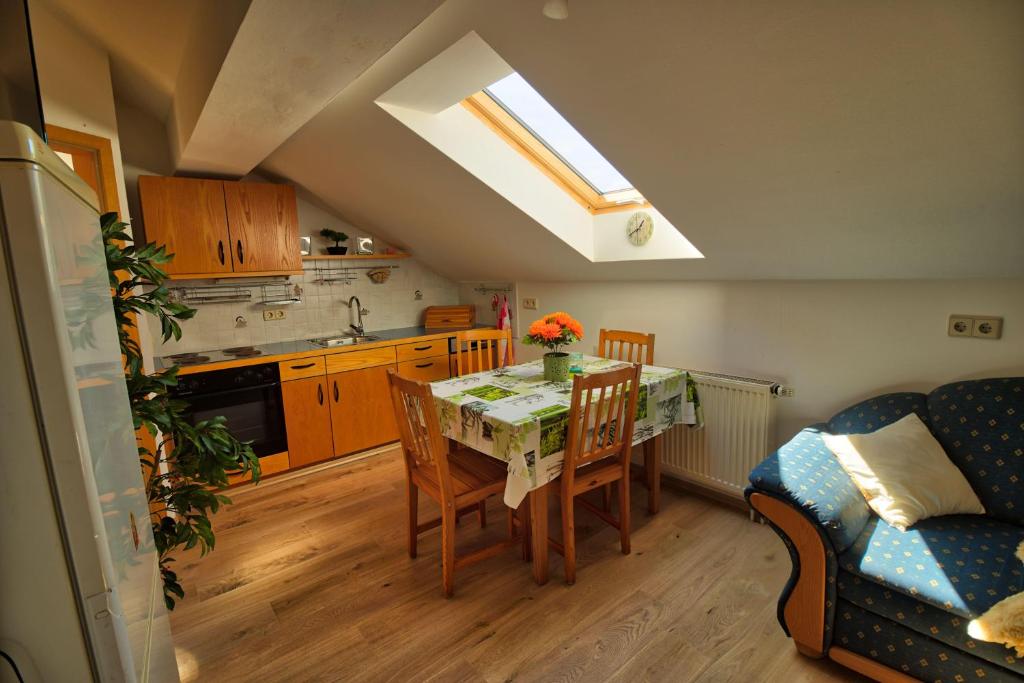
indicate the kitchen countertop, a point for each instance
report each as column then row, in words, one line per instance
column 216, row 359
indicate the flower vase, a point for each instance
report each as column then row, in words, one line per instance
column 556, row 366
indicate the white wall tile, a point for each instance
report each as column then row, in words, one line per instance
column 321, row 313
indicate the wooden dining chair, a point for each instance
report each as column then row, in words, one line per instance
column 597, row 449
column 460, row 480
column 482, row 350
column 635, row 347
column 632, row 347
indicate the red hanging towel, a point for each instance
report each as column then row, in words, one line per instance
column 504, row 323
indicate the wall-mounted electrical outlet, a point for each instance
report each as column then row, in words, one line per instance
column 274, row 314
column 529, row 303
column 268, row 315
column 981, row 326
column 960, row 325
column 988, row 328
column 279, row 314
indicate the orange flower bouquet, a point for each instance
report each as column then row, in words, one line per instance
column 554, row 331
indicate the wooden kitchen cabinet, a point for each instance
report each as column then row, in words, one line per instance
column 307, row 417
column 264, row 226
column 187, row 215
column 219, row 228
column 361, row 412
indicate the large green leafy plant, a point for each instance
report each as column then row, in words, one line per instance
column 184, row 465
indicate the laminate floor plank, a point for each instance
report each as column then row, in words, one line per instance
column 310, row 581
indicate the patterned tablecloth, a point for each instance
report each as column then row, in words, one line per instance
column 514, row 415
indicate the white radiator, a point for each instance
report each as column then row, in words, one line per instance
column 739, row 430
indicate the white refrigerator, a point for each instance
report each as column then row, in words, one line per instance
column 80, row 590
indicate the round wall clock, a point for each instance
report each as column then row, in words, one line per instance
column 639, row 228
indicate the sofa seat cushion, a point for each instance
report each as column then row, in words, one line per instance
column 980, row 424
column 963, row 564
column 894, row 645
column 938, row 624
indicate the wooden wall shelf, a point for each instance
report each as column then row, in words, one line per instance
column 333, row 257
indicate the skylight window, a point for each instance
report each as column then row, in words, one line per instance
column 517, row 112
column 519, row 99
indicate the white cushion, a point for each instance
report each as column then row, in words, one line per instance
column 904, row 474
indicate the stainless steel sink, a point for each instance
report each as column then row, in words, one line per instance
column 344, row 340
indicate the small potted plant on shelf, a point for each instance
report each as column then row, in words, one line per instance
column 554, row 331
column 337, row 237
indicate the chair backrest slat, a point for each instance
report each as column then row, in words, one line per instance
column 479, row 350
column 602, row 427
column 419, row 428
column 631, row 347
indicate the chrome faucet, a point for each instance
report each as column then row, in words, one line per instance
column 360, row 312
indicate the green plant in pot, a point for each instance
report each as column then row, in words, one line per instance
column 184, row 465
column 554, row 331
column 337, row 237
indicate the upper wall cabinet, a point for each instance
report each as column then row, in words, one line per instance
column 264, row 226
column 219, row 228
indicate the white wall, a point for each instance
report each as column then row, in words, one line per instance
column 836, row 342
column 74, row 82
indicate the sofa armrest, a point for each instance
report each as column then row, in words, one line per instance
column 807, row 604
column 805, row 473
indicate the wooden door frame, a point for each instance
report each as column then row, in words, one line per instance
column 108, row 196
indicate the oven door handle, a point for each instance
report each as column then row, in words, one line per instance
column 226, row 391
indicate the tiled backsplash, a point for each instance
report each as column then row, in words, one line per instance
column 322, row 312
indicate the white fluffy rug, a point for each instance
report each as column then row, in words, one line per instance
column 1004, row 622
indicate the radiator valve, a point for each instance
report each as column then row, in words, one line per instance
column 783, row 391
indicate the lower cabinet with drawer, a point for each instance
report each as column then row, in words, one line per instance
column 425, row 369
column 340, row 403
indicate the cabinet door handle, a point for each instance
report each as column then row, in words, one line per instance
column 302, row 367
column 335, row 391
column 241, row 254
column 421, row 348
column 426, row 365
column 220, row 251
column 320, row 393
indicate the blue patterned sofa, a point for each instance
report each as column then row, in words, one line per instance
column 894, row 604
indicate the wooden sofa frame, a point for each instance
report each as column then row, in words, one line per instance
column 804, row 609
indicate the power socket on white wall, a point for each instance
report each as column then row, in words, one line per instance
column 274, row 314
column 980, row 326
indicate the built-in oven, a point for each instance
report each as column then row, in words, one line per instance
column 248, row 397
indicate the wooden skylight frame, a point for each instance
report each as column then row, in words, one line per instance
column 522, row 139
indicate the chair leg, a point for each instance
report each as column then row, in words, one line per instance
column 482, row 512
column 606, row 498
column 412, row 499
column 624, row 514
column 526, row 529
column 448, row 551
column 652, row 472
column 569, row 539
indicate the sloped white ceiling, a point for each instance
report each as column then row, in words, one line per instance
column 795, row 139
column 287, row 60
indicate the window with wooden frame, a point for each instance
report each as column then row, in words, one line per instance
column 527, row 122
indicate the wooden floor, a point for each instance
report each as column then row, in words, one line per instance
column 310, row 581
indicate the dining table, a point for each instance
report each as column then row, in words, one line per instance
column 515, row 415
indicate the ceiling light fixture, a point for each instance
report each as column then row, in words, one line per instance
column 556, row 9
